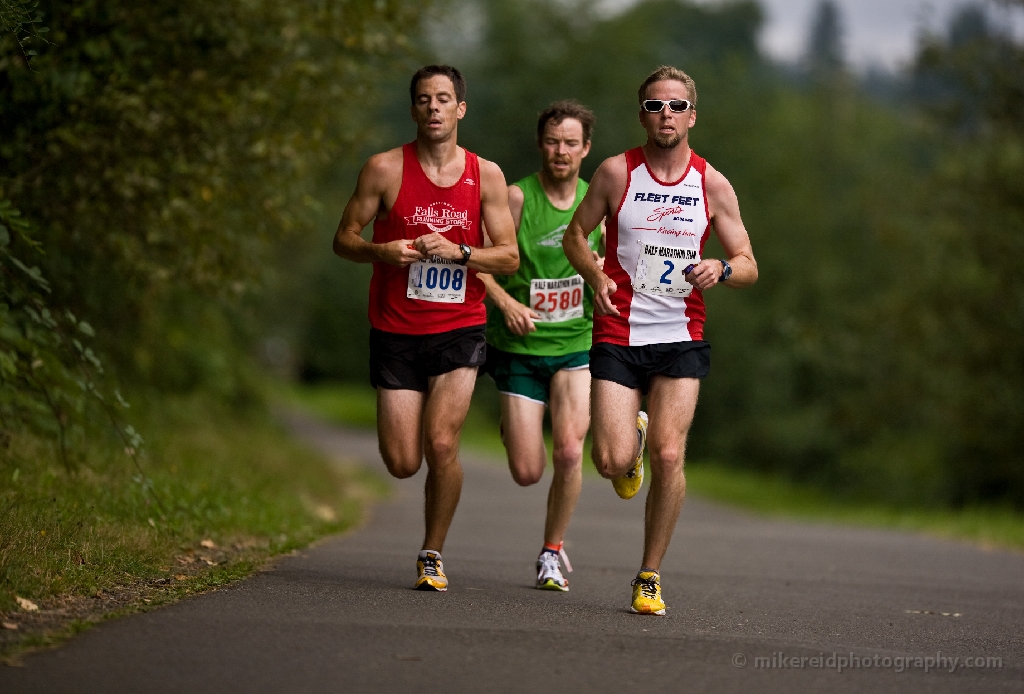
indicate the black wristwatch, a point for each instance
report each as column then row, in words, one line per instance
column 726, row 270
column 466, row 252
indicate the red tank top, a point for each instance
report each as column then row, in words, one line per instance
column 422, row 208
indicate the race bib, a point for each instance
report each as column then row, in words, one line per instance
column 439, row 280
column 557, row 300
column 661, row 270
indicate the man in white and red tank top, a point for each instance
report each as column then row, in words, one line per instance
column 660, row 201
column 429, row 202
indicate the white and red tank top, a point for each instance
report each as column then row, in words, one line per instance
column 658, row 230
column 423, row 207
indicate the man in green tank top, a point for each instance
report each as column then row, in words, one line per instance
column 539, row 324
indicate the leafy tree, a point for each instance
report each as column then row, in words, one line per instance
column 166, row 153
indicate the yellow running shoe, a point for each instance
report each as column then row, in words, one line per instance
column 431, row 572
column 647, row 594
column 629, row 484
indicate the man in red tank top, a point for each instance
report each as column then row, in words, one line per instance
column 646, row 342
column 429, row 202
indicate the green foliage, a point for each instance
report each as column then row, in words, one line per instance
column 165, row 150
column 49, row 379
column 20, row 20
column 165, row 153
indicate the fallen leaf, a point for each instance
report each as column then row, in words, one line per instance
column 181, row 577
column 210, row 563
column 152, row 522
column 208, row 544
column 325, row 513
column 27, row 605
column 10, row 625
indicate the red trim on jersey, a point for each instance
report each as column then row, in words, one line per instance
column 695, row 310
column 420, row 201
column 660, row 182
column 629, row 179
column 615, row 329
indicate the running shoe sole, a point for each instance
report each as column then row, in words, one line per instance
column 551, row 584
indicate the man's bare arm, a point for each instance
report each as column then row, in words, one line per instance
column 728, row 226
column 502, row 257
column 518, row 318
column 362, row 207
column 608, row 184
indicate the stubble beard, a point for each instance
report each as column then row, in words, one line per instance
column 667, row 141
column 560, row 178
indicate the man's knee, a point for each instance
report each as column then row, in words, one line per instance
column 609, row 462
column 525, row 475
column 666, row 459
column 441, row 448
column 567, row 455
column 401, row 465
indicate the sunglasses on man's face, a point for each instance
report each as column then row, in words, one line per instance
column 657, row 105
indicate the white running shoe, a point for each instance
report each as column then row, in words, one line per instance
column 549, row 573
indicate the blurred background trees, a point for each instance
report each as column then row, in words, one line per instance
column 184, row 168
column 163, row 157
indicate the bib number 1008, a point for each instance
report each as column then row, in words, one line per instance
column 437, row 280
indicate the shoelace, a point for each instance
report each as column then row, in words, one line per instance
column 648, row 587
column 549, row 563
column 565, row 559
column 430, row 565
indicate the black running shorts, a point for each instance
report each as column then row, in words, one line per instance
column 633, row 366
column 405, row 362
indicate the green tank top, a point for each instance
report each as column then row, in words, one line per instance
column 545, row 281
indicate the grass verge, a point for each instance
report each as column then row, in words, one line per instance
column 221, row 492
column 355, row 405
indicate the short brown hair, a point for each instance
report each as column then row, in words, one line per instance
column 567, row 108
column 667, row 72
column 428, row 71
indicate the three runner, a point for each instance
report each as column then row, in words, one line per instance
column 660, row 202
column 539, row 326
column 429, row 202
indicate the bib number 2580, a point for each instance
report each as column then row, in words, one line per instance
column 437, row 280
column 557, row 300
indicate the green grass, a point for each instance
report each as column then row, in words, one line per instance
column 774, row 496
column 764, row 494
column 210, row 473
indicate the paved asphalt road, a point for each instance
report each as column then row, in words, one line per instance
column 341, row 617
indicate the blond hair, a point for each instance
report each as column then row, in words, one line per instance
column 667, row 72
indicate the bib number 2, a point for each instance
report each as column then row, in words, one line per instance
column 661, row 270
column 441, row 281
